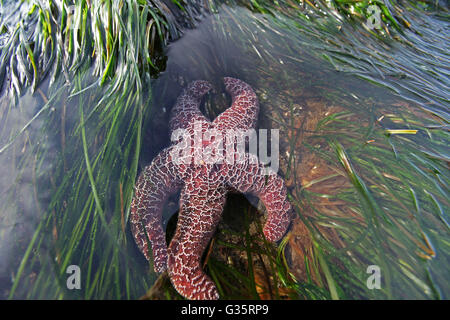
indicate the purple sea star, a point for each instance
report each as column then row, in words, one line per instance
column 203, row 190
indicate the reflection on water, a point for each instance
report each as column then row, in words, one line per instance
column 20, row 208
column 364, row 197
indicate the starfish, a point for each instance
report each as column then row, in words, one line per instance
column 203, row 190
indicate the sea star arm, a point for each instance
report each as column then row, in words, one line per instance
column 201, row 208
column 186, row 109
column 250, row 176
column 244, row 109
column 153, row 187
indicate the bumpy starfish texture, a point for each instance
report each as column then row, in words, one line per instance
column 203, row 190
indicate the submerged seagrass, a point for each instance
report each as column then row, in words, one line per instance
column 70, row 151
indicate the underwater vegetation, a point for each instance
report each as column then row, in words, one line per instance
column 359, row 94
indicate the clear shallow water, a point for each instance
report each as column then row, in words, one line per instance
column 299, row 94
